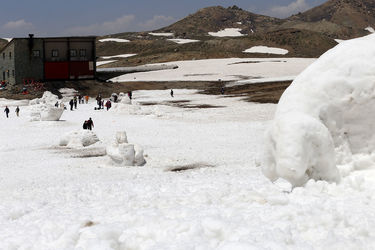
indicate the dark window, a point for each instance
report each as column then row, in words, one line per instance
column 55, row 53
column 36, row 53
column 73, row 53
column 82, row 52
column 13, row 74
column 10, row 55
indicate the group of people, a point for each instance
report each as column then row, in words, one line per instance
column 7, row 111
column 101, row 103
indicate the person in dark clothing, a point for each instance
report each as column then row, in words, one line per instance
column 71, row 103
column 75, row 102
column 90, row 124
column 85, row 124
column 222, row 90
column 6, row 110
column 130, row 94
column 172, row 92
column 108, row 104
column 99, row 101
column 18, row 111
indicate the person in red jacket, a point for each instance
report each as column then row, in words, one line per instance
column 108, row 104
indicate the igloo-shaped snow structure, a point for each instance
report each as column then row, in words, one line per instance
column 78, row 139
column 121, row 153
column 325, row 117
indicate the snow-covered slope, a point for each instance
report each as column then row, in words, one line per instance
column 324, row 120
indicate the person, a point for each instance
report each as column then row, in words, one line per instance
column 102, row 104
column 75, row 102
column 87, row 99
column 130, row 94
column 6, row 110
column 90, row 124
column 71, row 103
column 85, row 124
column 172, row 92
column 99, row 101
column 115, row 97
column 108, row 104
column 18, row 111
column 79, row 99
column 57, row 104
column 222, row 90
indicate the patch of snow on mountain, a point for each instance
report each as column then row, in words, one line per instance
column 99, row 63
column 266, row 50
column 228, row 32
column 324, row 120
column 118, row 40
column 370, row 29
column 183, row 41
column 161, row 34
column 339, row 40
column 8, row 39
column 120, row 56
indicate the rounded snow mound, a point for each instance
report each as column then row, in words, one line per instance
column 43, row 109
column 121, row 153
column 325, row 117
column 78, row 139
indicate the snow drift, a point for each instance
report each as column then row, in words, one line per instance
column 78, row 139
column 43, row 109
column 122, row 153
column 326, row 116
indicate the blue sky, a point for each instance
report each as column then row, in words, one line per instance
column 97, row 17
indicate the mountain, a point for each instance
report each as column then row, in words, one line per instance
column 342, row 19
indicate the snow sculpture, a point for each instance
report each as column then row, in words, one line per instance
column 325, row 116
column 78, row 139
column 43, row 109
column 122, row 153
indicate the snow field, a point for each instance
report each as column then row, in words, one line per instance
column 267, row 50
column 116, row 56
column 183, row 41
column 228, row 32
column 118, row 40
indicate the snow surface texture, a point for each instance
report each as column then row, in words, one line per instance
column 99, row 63
column 78, row 139
column 183, row 41
column 52, row 199
column 325, row 117
column 122, row 153
column 230, row 69
column 266, row 50
column 118, row 56
column 228, row 32
column 118, row 40
column 161, row 34
column 43, row 108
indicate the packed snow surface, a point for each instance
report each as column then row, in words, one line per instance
column 230, row 69
column 228, row 32
column 370, row 29
column 324, row 120
column 261, row 80
column 99, row 63
column 118, row 56
column 56, row 197
column 183, row 41
column 118, row 40
column 79, row 138
column 161, row 34
column 266, row 50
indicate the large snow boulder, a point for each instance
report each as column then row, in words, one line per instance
column 325, row 117
column 78, row 139
column 47, row 98
column 121, row 153
column 43, row 109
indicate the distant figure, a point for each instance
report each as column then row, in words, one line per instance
column 87, row 99
column 85, row 124
column 57, row 104
column 18, row 111
column 172, row 92
column 130, row 94
column 90, row 124
column 99, row 101
column 108, row 104
column 115, row 98
column 6, row 110
column 79, row 99
column 102, row 104
column 71, row 103
column 222, row 90
column 75, row 102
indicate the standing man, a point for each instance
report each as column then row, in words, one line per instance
column 18, row 111
column 90, row 124
column 172, row 92
column 71, row 103
column 6, row 110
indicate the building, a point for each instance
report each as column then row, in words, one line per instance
column 46, row 59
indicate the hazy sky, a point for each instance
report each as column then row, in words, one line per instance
column 18, row 18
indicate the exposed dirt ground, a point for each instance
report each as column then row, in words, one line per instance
column 269, row 92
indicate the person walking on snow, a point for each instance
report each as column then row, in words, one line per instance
column 18, row 111
column 71, row 103
column 172, row 92
column 75, row 102
column 6, row 110
column 90, row 124
column 87, row 99
column 108, row 104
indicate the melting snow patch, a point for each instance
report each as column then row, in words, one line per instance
column 370, row 29
column 121, row 56
column 78, row 139
column 118, row 40
column 8, row 39
column 161, row 34
column 339, row 40
column 228, row 32
column 183, row 41
column 105, row 62
column 266, row 50
column 322, row 119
